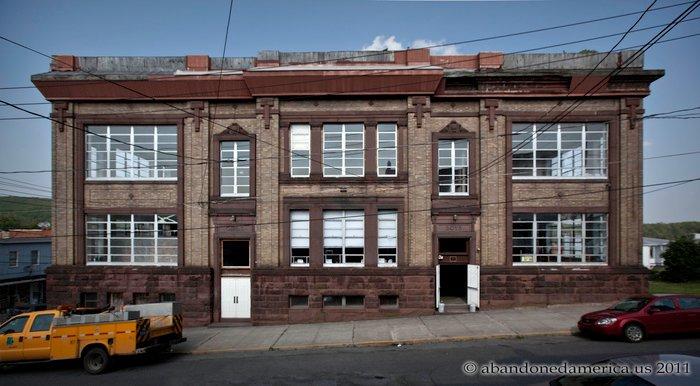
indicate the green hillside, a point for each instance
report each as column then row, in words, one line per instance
column 23, row 212
column 671, row 231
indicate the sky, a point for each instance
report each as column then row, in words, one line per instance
column 176, row 28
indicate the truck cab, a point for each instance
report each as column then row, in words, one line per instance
column 27, row 337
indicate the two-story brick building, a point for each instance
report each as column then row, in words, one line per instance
column 318, row 186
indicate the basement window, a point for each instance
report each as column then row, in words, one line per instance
column 344, row 301
column 166, row 297
column 298, row 301
column 388, row 301
column 88, row 299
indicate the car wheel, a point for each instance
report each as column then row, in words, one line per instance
column 633, row 333
column 95, row 360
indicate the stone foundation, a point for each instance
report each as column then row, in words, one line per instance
column 272, row 288
column 192, row 286
column 503, row 287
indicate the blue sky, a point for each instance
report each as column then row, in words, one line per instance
column 128, row 27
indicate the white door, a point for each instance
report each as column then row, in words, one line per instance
column 235, row 297
column 473, row 278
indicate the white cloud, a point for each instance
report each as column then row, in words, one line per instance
column 382, row 42
column 442, row 50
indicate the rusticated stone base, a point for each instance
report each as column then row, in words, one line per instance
column 503, row 287
column 192, row 286
column 415, row 288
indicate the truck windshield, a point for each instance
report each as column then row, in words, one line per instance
column 628, row 305
column 14, row 325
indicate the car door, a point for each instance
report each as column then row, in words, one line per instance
column 37, row 342
column 661, row 316
column 690, row 313
column 12, row 339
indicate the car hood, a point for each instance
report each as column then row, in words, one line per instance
column 603, row 314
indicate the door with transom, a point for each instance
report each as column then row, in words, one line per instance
column 235, row 279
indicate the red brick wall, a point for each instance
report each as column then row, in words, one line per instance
column 192, row 286
column 271, row 289
column 504, row 287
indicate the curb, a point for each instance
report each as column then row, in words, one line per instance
column 384, row 343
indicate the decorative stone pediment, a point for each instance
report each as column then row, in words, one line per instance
column 235, row 129
column 454, row 128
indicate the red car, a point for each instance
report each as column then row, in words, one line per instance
column 635, row 318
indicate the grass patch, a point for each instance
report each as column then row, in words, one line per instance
column 664, row 287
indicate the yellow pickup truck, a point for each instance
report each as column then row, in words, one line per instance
column 95, row 338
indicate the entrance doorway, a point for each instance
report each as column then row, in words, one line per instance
column 235, row 279
column 453, row 285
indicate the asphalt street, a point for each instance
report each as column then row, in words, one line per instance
column 419, row 364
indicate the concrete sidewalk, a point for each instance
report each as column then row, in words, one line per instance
column 517, row 322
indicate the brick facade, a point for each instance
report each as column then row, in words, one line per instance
column 425, row 104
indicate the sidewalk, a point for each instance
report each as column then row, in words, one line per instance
column 517, row 322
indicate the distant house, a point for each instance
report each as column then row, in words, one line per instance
column 652, row 249
column 24, row 255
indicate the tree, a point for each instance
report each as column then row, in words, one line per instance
column 682, row 260
column 8, row 222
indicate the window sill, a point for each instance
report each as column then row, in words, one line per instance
column 130, row 264
column 344, row 265
column 578, row 265
column 559, row 179
column 131, row 182
column 299, row 265
column 387, row 265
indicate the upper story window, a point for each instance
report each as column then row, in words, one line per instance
column 13, row 260
column 343, row 238
column 560, row 238
column 453, row 167
column 235, row 168
column 299, row 237
column 123, row 152
column 566, row 150
column 387, row 238
column 386, row 150
column 34, row 257
column 131, row 239
column 343, row 150
column 300, row 152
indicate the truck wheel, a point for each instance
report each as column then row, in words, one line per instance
column 95, row 360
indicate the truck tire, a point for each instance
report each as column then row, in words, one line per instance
column 95, row 360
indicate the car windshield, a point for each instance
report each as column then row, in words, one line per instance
column 634, row 304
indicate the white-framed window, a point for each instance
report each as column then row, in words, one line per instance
column 343, row 150
column 387, row 238
column 299, row 237
column 564, row 150
column 343, row 238
column 13, row 259
column 300, row 152
column 387, row 150
column 34, row 257
column 560, row 238
column 453, row 167
column 131, row 152
column 131, row 239
column 235, row 169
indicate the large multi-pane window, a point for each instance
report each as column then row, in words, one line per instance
column 343, row 150
column 453, row 167
column 565, row 150
column 131, row 239
column 560, row 238
column 235, row 168
column 299, row 237
column 386, row 150
column 300, row 143
column 124, row 152
column 387, row 231
column 344, row 237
